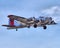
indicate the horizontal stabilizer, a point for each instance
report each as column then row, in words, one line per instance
column 16, row 27
column 8, row 26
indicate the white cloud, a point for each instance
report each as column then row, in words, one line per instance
column 52, row 12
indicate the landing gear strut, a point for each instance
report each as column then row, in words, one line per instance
column 16, row 29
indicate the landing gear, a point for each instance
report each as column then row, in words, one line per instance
column 16, row 29
column 35, row 25
column 44, row 27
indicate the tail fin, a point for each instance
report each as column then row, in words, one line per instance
column 11, row 22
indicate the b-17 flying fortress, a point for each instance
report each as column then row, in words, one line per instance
column 29, row 22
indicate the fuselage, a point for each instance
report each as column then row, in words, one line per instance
column 41, row 20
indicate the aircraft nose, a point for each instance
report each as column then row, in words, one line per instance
column 53, row 22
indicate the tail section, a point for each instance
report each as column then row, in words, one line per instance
column 11, row 22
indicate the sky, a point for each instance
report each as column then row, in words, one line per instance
column 33, row 37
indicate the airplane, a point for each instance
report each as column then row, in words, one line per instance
column 28, row 22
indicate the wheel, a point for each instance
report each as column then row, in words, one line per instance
column 44, row 27
column 35, row 25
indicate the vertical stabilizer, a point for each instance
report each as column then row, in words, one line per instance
column 11, row 22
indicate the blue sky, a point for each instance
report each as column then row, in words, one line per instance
column 30, row 38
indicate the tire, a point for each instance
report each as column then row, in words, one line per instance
column 44, row 27
column 35, row 25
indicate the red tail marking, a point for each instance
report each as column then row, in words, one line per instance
column 11, row 22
